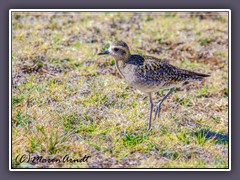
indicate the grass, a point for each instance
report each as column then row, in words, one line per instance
column 67, row 100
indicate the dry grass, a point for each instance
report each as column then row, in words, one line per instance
column 66, row 100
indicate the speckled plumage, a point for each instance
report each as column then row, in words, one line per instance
column 147, row 73
column 150, row 74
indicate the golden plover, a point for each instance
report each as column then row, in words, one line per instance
column 148, row 74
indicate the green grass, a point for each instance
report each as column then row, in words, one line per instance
column 68, row 100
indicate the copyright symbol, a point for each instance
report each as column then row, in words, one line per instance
column 21, row 159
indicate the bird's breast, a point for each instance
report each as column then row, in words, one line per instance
column 145, row 82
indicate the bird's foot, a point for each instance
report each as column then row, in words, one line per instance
column 149, row 123
column 149, row 127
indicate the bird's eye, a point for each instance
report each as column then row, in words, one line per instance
column 116, row 49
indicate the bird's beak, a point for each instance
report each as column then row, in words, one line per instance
column 104, row 52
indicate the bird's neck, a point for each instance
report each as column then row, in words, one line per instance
column 120, row 64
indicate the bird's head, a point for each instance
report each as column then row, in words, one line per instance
column 118, row 49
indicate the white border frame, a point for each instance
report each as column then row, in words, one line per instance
column 117, row 10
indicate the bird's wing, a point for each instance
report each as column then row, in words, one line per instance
column 156, row 69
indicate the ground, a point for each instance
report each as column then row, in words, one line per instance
column 66, row 100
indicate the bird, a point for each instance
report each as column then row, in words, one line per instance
column 149, row 74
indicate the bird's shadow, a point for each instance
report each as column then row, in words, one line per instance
column 218, row 137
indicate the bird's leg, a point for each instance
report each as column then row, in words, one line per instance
column 158, row 106
column 151, row 109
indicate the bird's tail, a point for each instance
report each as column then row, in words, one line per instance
column 197, row 76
